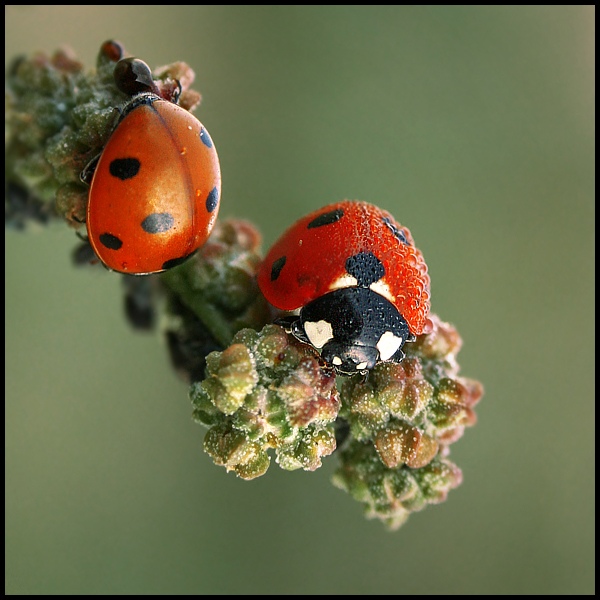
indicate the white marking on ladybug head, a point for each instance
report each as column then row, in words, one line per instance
column 382, row 288
column 361, row 366
column 318, row 332
column 336, row 360
column 388, row 344
column 344, row 281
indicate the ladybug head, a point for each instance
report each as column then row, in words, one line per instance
column 133, row 76
column 354, row 328
column 349, row 359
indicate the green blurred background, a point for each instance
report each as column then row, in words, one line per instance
column 474, row 126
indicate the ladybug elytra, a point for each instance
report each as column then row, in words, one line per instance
column 155, row 191
column 357, row 281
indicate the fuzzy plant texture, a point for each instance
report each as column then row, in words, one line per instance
column 258, row 393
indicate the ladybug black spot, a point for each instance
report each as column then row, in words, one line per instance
column 158, row 223
column 110, row 241
column 398, row 233
column 124, row 168
column 326, row 218
column 205, row 138
column 277, row 266
column 212, row 200
column 366, row 268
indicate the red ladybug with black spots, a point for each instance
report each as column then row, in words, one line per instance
column 357, row 281
column 155, row 189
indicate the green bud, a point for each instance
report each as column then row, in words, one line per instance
column 205, row 412
column 232, row 376
column 400, row 444
column 306, row 453
column 230, row 449
column 391, row 494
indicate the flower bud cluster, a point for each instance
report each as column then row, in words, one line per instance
column 264, row 392
column 402, row 419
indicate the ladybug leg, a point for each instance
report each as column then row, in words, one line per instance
column 83, row 254
column 364, row 376
column 298, row 332
column 88, row 171
column 286, row 322
column 398, row 356
column 291, row 324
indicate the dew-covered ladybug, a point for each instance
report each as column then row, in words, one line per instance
column 356, row 280
column 155, row 189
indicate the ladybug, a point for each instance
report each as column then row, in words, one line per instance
column 356, row 280
column 155, row 188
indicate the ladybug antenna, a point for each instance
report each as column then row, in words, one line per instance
column 176, row 92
